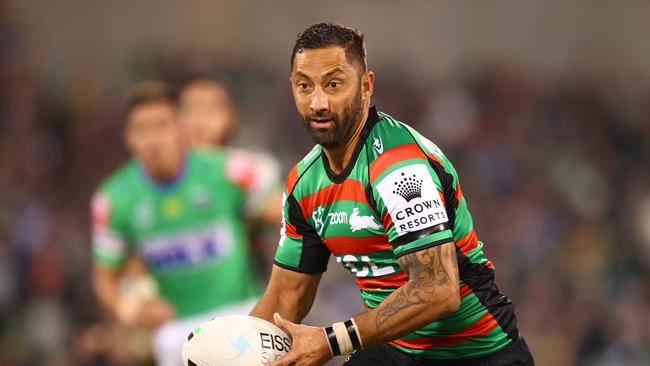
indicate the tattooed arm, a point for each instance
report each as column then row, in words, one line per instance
column 431, row 292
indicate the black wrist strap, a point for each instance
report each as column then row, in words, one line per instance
column 352, row 332
column 331, row 337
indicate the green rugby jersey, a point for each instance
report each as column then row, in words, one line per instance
column 190, row 232
column 399, row 194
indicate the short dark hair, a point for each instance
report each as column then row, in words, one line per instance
column 149, row 91
column 330, row 34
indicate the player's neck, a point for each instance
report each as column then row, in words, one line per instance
column 339, row 157
column 165, row 176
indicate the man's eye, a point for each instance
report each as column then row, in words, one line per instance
column 303, row 86
column 334, row 84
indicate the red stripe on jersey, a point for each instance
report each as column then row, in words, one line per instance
column 480, row 328
column 464, row 290
column 467, row 242
column 292, row 179
column 437, row 160
column 489, row 264
column 392, row 281
column 442, row 198
column 291, row 230
column 394, row 155
column 459, row 193
column 350, row 189
column 340, row 245
column 434, row 158
column 387, row 220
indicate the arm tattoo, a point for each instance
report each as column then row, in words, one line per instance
column 426, row 272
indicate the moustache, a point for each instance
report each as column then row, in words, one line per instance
column 322, row 116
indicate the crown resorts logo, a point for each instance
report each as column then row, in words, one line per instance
column 409, row 187
column 421, row 206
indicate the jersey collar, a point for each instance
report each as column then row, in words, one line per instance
column 167, row 184
column 373, row 118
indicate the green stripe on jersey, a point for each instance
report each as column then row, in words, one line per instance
column 422, row 242
column 291, row 255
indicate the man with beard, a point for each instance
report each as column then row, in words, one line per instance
column 387, row 203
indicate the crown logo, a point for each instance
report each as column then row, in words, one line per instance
column 409, row 187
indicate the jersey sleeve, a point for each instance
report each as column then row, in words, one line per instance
column 409, row 198
column 257, row 174
column 300, row 248
column 109, row 246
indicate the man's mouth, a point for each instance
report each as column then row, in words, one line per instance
column 321, row 123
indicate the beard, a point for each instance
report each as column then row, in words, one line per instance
column 343, row 124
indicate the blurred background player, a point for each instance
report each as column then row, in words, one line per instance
column 208, row 116
column 206, row 111
column 180, row 212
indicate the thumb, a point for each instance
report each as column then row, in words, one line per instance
column 285, row 325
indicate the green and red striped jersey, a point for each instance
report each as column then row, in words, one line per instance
column 399, row 194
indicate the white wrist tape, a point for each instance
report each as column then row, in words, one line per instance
column 343, row 338
column 356, row 331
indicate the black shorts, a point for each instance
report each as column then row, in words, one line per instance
column 515, row 354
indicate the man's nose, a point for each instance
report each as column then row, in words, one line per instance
column 319, row 101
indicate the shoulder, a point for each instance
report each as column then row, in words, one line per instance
column 302, row 167
column 208, row 156
column 113, row 194
column 251, row 167
column 250, row 157
column 208, row 164
column 388, row 137
column 392, row 139
column 121, row 182
column 392, row 145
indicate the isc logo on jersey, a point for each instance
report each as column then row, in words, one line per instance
column 411, row 198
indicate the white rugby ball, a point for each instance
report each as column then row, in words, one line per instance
column 235, row 340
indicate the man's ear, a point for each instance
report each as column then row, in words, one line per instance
column 368, row 84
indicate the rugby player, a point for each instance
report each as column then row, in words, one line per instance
column 181, row 212
column 208, row 117
column 387, row 203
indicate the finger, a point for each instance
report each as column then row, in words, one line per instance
column 285, row 325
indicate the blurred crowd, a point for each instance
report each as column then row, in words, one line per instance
column 557, row 176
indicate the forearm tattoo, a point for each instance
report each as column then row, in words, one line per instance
column 426, row 272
